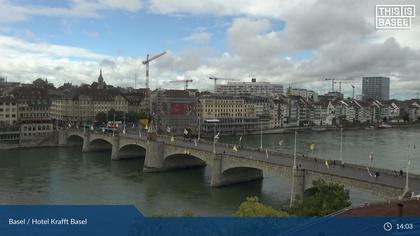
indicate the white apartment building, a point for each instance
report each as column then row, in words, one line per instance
column 8, row 111
column 304, row 93
column 252, row 88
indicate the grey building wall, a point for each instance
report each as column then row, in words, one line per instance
column 376, row 88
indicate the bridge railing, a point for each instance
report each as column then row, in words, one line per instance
column 271, row 152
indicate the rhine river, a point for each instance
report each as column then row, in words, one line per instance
column 68, row 176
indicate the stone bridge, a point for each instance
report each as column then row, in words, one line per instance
column 230, row 167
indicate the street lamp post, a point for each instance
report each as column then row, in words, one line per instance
column 261, row 137
column 341, row 145
column 294, row 151
column 113, row 126
column 214, row 137
column 199, row 127
column 124, row 124
column 406, row 177
column 214, row 121
column 408, row 165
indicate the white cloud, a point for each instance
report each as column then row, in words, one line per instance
column 92, row 34
column 253, row 40
column 15, row 47
column 339, row 34
column 198, row 38
column 266, row 8
column 11, row 12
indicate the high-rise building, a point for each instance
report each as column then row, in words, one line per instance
column 375, row 88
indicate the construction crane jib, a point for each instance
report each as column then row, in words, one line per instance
column 186, row 81
column 216, row 79
column 147, row 61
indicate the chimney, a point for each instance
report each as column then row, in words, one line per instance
column 400, row 209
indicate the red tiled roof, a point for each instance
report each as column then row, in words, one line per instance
column 408, row 208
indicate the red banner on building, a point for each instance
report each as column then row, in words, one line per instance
column 179, row 108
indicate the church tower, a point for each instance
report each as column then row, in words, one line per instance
column 101, row 82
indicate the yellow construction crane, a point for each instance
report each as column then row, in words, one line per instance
column 216, row 79
column 147, row 61
column 186, row 81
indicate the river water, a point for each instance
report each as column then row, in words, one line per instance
column 68, row 176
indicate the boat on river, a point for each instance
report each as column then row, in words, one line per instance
column 318, row 129
column 384, row 126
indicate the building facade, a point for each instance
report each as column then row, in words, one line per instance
column 84, row 104
column 251, row 88
column 375, row 88
column 8, row 111
column 236, row 113
column 175, row 111
column 305, row 93
column 33, row 112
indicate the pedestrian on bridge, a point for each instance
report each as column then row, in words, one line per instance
column 371, row 158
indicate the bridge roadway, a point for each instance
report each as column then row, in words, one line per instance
column 229, row 166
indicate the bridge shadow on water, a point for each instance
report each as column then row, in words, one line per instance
column 75, row 141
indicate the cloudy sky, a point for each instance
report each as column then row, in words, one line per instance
column 298, row 43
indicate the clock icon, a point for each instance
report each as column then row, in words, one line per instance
column 387, row 226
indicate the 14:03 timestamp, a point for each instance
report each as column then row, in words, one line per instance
column 404, row 226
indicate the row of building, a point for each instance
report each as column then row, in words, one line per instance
column 238, row 107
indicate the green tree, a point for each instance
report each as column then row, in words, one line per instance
column 183, row 213
column 326, row 199
column 405, row 116
column 119, row 115
column 252, row 207
column 133, row 117
column 40, row 83
column 101, row 117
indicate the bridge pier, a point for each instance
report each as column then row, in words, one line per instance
column 115, row 148
column 62, row 138
column 86, row 141
column 298, row 186
column 154, row 158
column 216, row 171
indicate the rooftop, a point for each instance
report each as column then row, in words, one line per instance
column 392, row 208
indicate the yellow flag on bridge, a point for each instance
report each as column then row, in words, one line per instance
column 312, row 147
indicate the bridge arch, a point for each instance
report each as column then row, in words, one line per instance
column 75, row 139
column 139, row 145
column 99, row 144
column 241, row 174
column 182, row 161
column 132, row 150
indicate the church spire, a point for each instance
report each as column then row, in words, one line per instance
column 101, row 82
